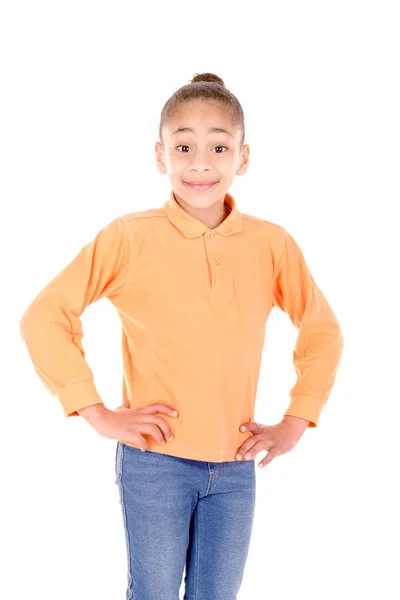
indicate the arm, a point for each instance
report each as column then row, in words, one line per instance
column 319, row 344
column 51, row 327
column 92, row 413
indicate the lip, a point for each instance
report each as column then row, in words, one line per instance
column 200, row 187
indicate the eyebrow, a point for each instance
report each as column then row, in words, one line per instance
column 211, row 130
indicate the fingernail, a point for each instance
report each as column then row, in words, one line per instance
column 162, row 441
column 242, row 428
column 171, row 438
column 247, row 455
column 238, row 457
column 175, row 413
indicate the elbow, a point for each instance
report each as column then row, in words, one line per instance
column 336, row 333
column 339, row 344
column 25, row 322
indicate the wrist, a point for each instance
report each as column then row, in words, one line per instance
column 94, row 413
column 297, row 424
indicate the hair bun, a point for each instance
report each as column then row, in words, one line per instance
column 210, row 77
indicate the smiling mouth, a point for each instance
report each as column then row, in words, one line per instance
column 199, row 187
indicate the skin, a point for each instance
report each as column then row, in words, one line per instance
column 202, row 155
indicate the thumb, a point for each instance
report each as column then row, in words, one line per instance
column 252, row 426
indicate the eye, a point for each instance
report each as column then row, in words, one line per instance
column 183, row 146
column 221, row 147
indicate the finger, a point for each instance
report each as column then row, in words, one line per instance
column 253, row 445
column 151, row 409
column 152, row 430
column 267, row 459
column 162, row 424
column 252, row 453
column 246, row 448
column 138, row 439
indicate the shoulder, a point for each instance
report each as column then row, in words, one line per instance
column 141, row 215
column 262, row 223
column 137, row 227
column 272, row 232
column 138, row 222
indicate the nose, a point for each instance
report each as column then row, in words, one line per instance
column 200, row 161
column 200, row 168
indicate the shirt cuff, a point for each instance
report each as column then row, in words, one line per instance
column 307, row 407
column 77, row 395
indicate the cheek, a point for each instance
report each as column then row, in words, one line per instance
column 177, row 162
column 228, row 167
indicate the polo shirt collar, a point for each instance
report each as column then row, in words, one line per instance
column 192, row 227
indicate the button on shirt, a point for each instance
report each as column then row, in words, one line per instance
column 193, row 305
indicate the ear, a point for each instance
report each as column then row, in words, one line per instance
column 244, row 160
column 160, row 158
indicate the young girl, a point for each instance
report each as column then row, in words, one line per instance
column 194, row 282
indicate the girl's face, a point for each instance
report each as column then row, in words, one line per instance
column 199, row 153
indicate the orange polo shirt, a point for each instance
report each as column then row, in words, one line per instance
column 193, row 304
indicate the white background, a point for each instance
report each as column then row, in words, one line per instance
column 83, row 84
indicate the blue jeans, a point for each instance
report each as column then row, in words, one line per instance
column 187, row 514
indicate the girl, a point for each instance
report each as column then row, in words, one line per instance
column 194, row 282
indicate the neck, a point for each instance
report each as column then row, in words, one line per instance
column 212, row 216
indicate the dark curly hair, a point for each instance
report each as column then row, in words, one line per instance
column 209, row 87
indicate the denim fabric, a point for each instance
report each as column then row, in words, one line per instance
column 183, row 515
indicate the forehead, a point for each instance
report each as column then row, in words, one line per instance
column 202, row 117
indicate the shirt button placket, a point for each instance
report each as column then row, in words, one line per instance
column 214, row 259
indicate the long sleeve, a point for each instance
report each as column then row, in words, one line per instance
column 51, row 327
column 319, row 344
